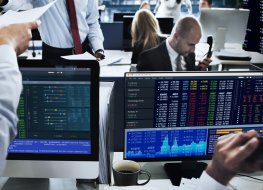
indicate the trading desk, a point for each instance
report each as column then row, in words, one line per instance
column 158, row 181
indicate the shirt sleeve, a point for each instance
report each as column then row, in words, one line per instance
column 206, row 182
column 95, row 34
column 11, row 86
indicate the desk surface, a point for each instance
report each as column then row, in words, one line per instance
column 158, row 181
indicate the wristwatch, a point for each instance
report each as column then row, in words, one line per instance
column 100, row 51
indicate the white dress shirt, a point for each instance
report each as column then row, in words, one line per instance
column 55, row 28
column 10, row 89
column 170, row 8
column 173, row 55
column 206, row 182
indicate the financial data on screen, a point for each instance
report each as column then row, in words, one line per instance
column 179, row 115
column 54, row 112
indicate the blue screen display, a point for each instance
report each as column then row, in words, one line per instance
column 173, row 116
column 54, row 113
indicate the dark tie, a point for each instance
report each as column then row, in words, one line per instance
column 74, row 26
column 179, row 63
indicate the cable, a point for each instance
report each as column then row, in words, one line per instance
column 258, row 179
column 33, row 49
column 259, row 68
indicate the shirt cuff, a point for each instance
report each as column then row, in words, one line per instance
column 206, row 182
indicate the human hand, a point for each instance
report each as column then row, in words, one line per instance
column 18, row 35
column 230, row 156
column 99, row 55
column 203, row 65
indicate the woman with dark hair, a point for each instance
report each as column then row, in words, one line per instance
column 172, row 8
column 145, row 32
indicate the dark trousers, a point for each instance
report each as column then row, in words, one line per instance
column 52, row 55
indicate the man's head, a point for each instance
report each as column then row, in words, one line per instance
column 185, row 35
column 205, row 4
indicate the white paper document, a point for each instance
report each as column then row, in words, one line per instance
column 13, row 17
column 88, row 56
column 84, row 56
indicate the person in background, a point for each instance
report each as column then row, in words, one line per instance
column 230, row 158
column 145, row 5
column 14, row 40
column 176, row 53
column 20, row 5
column 145, row 32
column 56, row 32
column 205, row 4
column 172, row 8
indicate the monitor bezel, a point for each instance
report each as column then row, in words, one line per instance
column 93, row 65
column 181, row 73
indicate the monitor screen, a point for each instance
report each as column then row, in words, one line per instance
column 254, row 33
column 119, row 16
column 112, row 42
column 166, row 25
column 233, row 21
column 179, row 116
column 58, row 121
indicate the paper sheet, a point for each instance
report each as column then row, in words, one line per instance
column 13, row 17
column 88, row 56
column 84, row 56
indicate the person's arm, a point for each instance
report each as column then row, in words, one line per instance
column 14, row 40
column 11, row 86
column 229, row 158
column 95, row 35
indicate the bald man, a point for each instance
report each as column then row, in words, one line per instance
column 176, row 53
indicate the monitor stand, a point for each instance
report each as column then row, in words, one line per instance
column 186, row 169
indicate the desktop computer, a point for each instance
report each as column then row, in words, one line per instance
column 58, row 128
column 224, row 24
column 178, row 116
column 166, row 25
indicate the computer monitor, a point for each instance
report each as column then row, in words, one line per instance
column 254, row 34
column 58, row 122
column 233, row 21
column 112, row 42
column 166, row 25
column 119, row 16
column 178, row 116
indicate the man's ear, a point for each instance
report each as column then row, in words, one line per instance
column 175, row 36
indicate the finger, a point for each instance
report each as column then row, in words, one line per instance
column 225, row 141
column 246, row 150
column 252, row 133
column 230, row 143
column 230, row 135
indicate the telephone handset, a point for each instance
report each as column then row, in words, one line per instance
column 210, row 43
